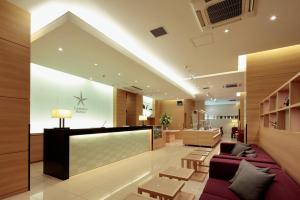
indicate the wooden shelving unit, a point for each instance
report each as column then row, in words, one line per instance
column 283, row 107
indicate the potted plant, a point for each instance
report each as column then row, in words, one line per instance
column 165, row 120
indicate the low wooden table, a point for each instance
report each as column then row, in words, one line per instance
column 182, row 174
column 202, row 153
column 162, row 188
column 193, row 161
column 134, row 196
column 204, row 149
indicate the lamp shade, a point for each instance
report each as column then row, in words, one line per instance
column 142, row 118
column 61, row 113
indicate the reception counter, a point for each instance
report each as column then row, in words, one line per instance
column 68, row 152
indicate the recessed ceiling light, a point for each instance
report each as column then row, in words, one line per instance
column 238, row 94
column 60, row 49
column 148, row 86
column 226, row 31
column 95, row 64
column 119, row 74
column 135, row 81
column 273, row 17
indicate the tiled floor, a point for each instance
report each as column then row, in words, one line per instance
column 111, row 182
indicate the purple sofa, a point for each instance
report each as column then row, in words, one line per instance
column 261, row 155
column 221, row 170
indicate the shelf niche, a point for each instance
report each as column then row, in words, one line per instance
column 273, row 100
column 283, row 119
column 282, row 95
column 295, row 116
column 295, row 91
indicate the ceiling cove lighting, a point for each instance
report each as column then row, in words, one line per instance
column 112, row 30
column 242, row 63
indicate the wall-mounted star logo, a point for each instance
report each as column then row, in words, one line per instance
column 80, row 99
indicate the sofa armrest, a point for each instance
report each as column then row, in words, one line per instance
column 226, row 147
column 223, row 168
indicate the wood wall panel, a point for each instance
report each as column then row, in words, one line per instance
column 13, row 173
column 14, row 120
column 266, row 71
column 14, row 98
column 189, row 107
column 176, row 112
column 36, row 147
column 119, row 108
column 14, row 24
column 138, row 108
column 284, row 147
column 158, row 113
column 14, row 70
column 131, row 109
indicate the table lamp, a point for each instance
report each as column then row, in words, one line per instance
column 143, row 119
column 61, row 114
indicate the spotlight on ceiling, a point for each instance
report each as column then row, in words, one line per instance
column 226, row 31
column 238, row 94
column 273, row 17
column 60, row 49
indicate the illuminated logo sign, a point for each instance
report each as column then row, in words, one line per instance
column 80, row 107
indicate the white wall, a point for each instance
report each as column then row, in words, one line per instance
column 223, row 110
column 51, row 89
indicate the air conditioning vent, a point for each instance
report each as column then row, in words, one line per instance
column 230, row 85
column 205, row 88
column 224, row 10
column 158, row 32
column 137, row 88
column 215, row 13
column 232, row 100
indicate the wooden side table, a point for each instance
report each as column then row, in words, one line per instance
column 163, row 188
column 181, row 174
column 192, row 161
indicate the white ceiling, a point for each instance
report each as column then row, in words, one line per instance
column 176, row 50
column 81, row 51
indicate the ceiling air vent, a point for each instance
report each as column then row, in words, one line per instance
column 158, row 32
column 137, row 88
column 232, row 100
column 230, row 85
column 215, row 13
column 205, row 88
column 224, row 10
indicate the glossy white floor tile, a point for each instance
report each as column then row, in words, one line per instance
column 111, row 182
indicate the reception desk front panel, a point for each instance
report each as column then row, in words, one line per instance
column 68, row 152
column 95, row 150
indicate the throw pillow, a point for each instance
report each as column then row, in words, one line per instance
column 250, row 151
column 243, row 163
column 251, row 155
column 251, row 184
column 238, row 148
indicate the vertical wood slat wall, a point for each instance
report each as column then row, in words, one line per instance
column 14, row 98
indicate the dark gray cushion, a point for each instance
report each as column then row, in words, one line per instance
column 245, row 163
column 238, row 148
column 251, row 184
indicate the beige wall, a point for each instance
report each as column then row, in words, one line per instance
column 266, row 71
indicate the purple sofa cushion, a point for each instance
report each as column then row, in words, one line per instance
column 261, row 155
column 225, row 169
column 206, row 196
column 219, row 188
column 283, row 187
